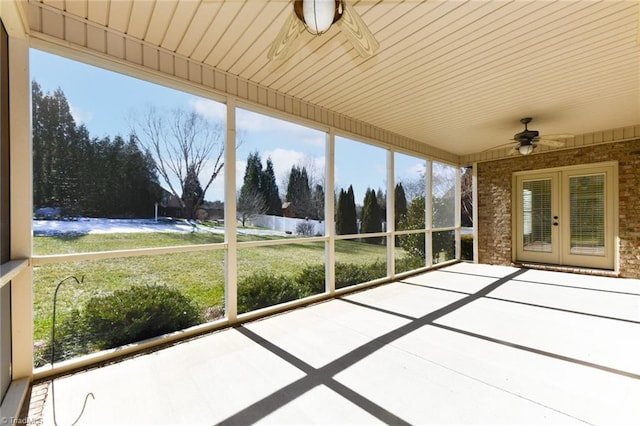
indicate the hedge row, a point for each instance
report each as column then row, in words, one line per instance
column 141, row 312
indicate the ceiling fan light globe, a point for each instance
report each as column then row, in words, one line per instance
column 525, row 149
column 318, row 15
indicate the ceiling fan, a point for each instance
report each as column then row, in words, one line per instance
column 528, row 139
column 317, row 16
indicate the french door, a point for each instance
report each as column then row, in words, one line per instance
column 567, row 216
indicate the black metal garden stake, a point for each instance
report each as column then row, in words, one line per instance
column 53, row 352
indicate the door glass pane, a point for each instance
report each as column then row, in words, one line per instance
column 587, row 214
column 536, row 219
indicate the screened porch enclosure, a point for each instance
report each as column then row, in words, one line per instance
column 382, row 204
column 392, row 213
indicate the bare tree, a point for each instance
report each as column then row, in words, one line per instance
column 182, row 143
column 250, row 204
column 414, row 188
column 442, row 181
column 466, row 195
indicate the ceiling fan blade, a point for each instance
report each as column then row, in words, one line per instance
column 285, row 38
column 557, row 136
column 356, row 30
column 550, row 142
column 504, row 145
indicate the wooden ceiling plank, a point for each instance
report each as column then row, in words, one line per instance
column 120, row 14
column 77, row 8
column 255, row 60
column 58, row 4
column 140, row 16
column 197, row 28
column 98, row 11
column 248, row 22
column 252, row 39
column 182, row 17
column 159, row 23
column 215, row 35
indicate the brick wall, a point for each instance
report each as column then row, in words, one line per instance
column 495, row 204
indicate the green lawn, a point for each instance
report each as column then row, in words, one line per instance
column 76, row 243
column 200, row 274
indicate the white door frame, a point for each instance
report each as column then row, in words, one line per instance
column 561, row 253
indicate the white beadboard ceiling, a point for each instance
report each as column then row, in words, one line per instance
column 456, row 75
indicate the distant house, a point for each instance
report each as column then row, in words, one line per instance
column 287, row 209
column 170, row 205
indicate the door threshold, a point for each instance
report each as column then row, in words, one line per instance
column 570, row 269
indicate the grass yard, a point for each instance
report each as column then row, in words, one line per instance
column 199, row 274
column 76, row 243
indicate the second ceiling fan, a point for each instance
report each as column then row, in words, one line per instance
column 528, row 139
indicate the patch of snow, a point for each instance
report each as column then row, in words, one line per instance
column 85, row 225
column 48, row 212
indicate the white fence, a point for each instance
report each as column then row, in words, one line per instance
column 289, row 225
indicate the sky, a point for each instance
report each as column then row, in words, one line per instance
column 106, row 102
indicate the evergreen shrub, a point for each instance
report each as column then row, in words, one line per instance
column 120, row 318
column 466, row 247
column 409, row 263
column 311, row 279
column 348, row 274
column 263, row 289
column 138, row 313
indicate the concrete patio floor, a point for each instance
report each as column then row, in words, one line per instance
column 467, row 344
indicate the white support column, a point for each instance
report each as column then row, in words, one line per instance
column 458, row 223
column 21, row 207
column 428, row 191
column 391, row 214
column 329, row 213
column 474, row 207
column 230, row 223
